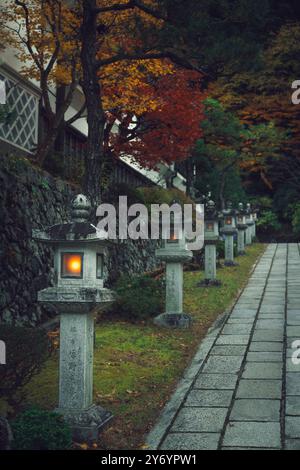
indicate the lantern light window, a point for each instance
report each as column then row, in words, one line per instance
column 71, row 265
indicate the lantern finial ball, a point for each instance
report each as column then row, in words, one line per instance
column 81, row 207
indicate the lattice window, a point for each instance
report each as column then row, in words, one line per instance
column 23, row 130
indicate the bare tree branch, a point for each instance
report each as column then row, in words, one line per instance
column 173, row 56
column 129, row 6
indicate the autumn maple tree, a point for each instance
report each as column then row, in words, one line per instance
column 167, row 132
column 118, row 52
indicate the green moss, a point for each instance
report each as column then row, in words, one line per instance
column 136, row 366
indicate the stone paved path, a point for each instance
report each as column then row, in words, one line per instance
column 242, row 389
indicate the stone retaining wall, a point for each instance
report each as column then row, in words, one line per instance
column 30, row 198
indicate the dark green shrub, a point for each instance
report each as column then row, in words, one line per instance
column 296, row 218
column 122, row 189
column 39, row 429
column 138, row 297
column 268, row 221
column 158, row 195
column 26, row 351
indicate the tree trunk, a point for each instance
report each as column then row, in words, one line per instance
column 60, row 100
column 47, row 144
column 95, row 113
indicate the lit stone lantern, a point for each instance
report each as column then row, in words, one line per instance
column 211, row 237
column 229, row 230
column 78, row 264
column 174, row 253
column 242, row 227
column 250, row 223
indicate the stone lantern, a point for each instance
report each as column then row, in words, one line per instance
column 250, row 223
column 211, row 237
column 78, row 289
column 242, row 227
column 174, row 253
column 254, row 224
column 229, row 230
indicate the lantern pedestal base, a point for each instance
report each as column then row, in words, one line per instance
column 86, row 424
column 230, row 263
column 209, row 283
column 173, row 320
column 242, row 253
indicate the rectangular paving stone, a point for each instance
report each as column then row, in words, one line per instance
column 264, row 356
column 191, row 441
column 236, row 329
column 258, row 370
column 293, row 320
column 240, row 321
column 268, row 335
column 244, row 312
column 293, row 383
column 255, row 410
column 292, row 406
column 265, row 324
column 293, row 331
column 266, row 346
column 219, row 398
column 223, row 364
column 271, row 316
column 252, row 434
column 292, row 444
column 290, row 343
column 255, row 388
column 292, row 426
column 200, row 420
column 216, row 381
column 228, row 350
column 233, row 339
column 291, row 366
column 272, row 308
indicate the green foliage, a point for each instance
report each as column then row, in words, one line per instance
column 37, row 429
column 158, row 195
column 26, row 352
column 263, row 202
column 219, row 153
column 133, row 194
column 145, row 195
column 296, row 218
column 268, row 220
column 220, row 34
column 138, row 297
column 222, row 135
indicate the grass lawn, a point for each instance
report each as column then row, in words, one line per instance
column 137, row 366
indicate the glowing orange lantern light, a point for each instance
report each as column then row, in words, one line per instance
column 71, row 265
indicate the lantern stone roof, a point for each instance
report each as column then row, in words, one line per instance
column 78, row 229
